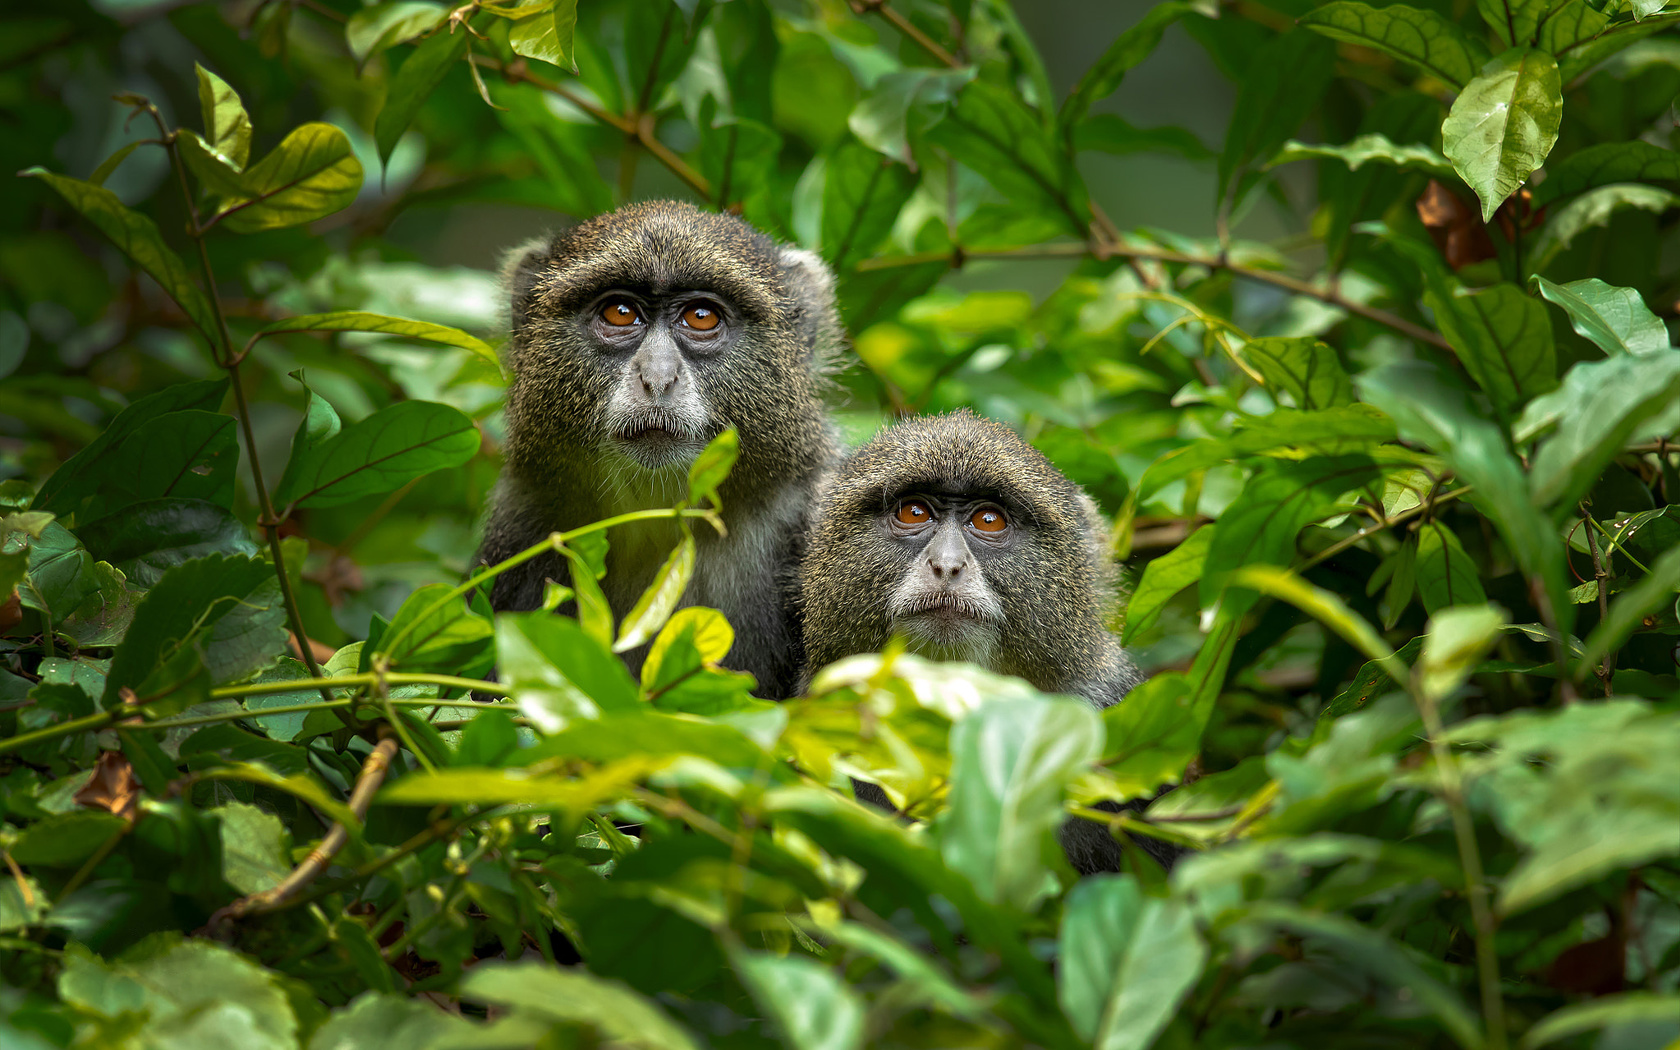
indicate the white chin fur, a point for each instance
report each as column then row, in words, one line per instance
column 966, row 640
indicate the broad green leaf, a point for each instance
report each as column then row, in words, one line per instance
column 227, row 127
column 1010, row 760
column 1596, row 207
column 83, row 474
column 712, row 466
column 500, row 787
column 693, row 638
column 1568, row 32
column 1307, row 370
column 863, row 192
column 228, row 607
column 1368, row 149
column 1324, row 606
column 594, row 612
column 1422, row 38
column 1514, row 22
column 1125, row 961
column 254, row 847
column 59, row 574
column 1164, row 577
column 660, row 600
column 139, row 239
column 320, row 422
column 993, row 132
column 1445, row 574
column 620, row 1016
column 425, row 637
column 923, row 977
column 882, row 118
column 557, row 673
column 1633, row 1009
column 1260, row 525
column 65, row 840
column 412, row 83
column 1630, row 607
column 383, row 1021
column 813, row 1009
column 373, row 29
column 1152, row 734
column 361, row 321
column 1615, row 319
column 381, row 454
column 310, row 175
column 150, row 537
column 182, row 455
column 1111, row 133
column 1284, row 81
column 1599, row 408
column 547, row 36
column 1502, row 337
column 1458, row 639
column 1604, row 164
column 1504, row 123
column 217, row 175
column 1134, row 45
column 1349, row 428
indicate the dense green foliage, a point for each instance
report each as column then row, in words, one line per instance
column 1395, row 492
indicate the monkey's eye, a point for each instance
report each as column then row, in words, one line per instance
column 913, row 512
column 700, row 315
column 989, row 519
column 620, row 314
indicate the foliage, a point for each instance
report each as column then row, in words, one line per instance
column 1403, row 541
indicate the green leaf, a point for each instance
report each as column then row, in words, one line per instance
column 993, row 132
column 1457, row 641
column 1284, row 81
column 547, row 36
column 1627, row 613
column 59, row 574
column 863, row 192
column 500, row 787
column 619, row 1015
column 1327, row 608
column 1164, row 577
column 1599, row 408
column 83, row 474
column 1595, row 208
column 1368, row 149
column 254, row 847
column 1010, row 760
column 1423, row 38
column 320, row 422
column 1111, row 133
column 712, row 466
column 693, row 638
column 1445, row 574
column 182, row 455
column 1134, row 45
column 1152, row 734
column 881, row 120
column 227, row 127
column 376, row 1021
column 811, row 1006
column 1570, row 32
column 311, row 174
column 556, row 672
column 217, row 175
column 381, row 454
column 413, row 83
column 427, row 636
column 1302, row 367
column 1502, row 337
column 657, row 603
column 361, row 321
column 1504, row 123
column 65, row 840
column 1514, row 22
column 1615, row 319
column 139, row 239
column 1125, row 961
column 373, row 29
column 594, row 612
column 1350, row 428
column 1604, row 164
column 1633, row 1009
column 149, row 538
column 227, row 607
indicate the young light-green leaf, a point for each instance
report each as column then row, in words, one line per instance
column 382, row 453
column 140, row 240
column 1368, row 149
column 659, row 601
column 373, row 29
column 1504, row 123
column 362, row 321
column 712, row 466
column 311, row 174
column 1615, row 319
column 227, row 127
column 547, row 35
column 812, row 1007
column 1422, row 38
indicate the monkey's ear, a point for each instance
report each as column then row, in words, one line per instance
column 520, row 269
column 810, row 283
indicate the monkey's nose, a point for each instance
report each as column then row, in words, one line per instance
column 945, row 568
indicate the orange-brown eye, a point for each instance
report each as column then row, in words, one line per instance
column 700, row 316
column 913, row 512
column 620, row 314
column 989, row 519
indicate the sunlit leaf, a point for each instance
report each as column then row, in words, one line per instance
column 1368, row 149
column 1457, row 640
column 373, row 29
column 660, row 600
column 310, row 175
column 361, row 321
column 381, row 453
column 812, row 1007
column 547, row 36
column 1615, row 319
column 1504, row 123
column 227, row 127
column 1164, row 577
column 1422, row 38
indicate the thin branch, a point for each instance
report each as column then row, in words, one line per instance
column 1601, row 575
column 908, row 28
column 1387, row 523
column 361, row 796
column 1132, row 251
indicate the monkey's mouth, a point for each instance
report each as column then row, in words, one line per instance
column 656, row 438
column 945, row 609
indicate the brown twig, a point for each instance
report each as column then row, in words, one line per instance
column 908, row 28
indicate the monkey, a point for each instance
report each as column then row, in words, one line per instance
column 637, row 337
column 954, row 533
